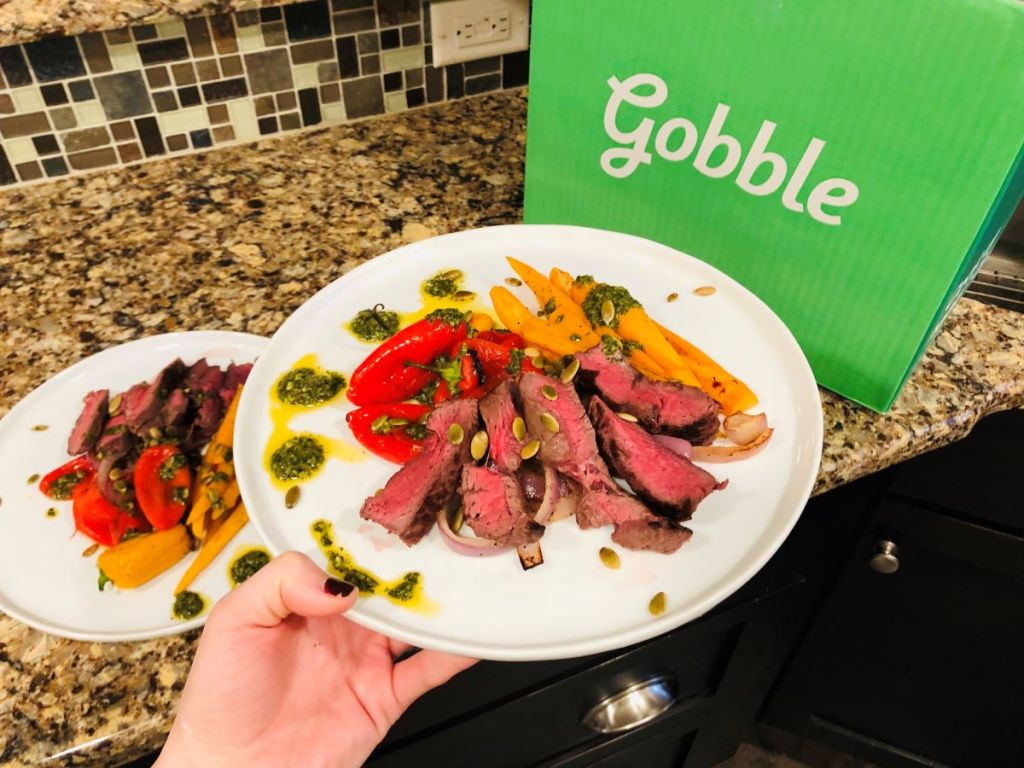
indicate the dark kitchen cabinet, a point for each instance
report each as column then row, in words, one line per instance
column 923, row 665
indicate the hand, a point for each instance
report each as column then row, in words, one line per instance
column 282, row 678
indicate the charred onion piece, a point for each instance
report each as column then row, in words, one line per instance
column 551, row 496
column 530, row 555
column 744, row 428
column 676, row 444
column 722, row 453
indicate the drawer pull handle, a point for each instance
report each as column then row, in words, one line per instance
column 633, row 706
column 885, row 560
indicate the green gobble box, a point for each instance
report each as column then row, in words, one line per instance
column 851, row 163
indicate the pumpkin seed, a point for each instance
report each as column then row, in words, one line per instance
column 90, row 550
column 531, row 352
column 456, row 434
column 672, row 297
column 32, row 478
column 478, row 446
column 705, row 290
column 628, row 417
column 397, row 421
column 570, row 371
column 292, row 497
column 120, row 486
column 463, row 296
column 530, row 449
column 550, row 422
column 657, row 604
column 156, row 433
column 515, row 282
column 40, row 428
column 610, row 558
column 116, row 473
column 518, row 429
column 114, row 405
column 452, row 274
column 549, row 392
column 379, row 424
column 456, row 519
column 607, row 311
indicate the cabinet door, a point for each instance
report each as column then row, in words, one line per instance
column 925, row 663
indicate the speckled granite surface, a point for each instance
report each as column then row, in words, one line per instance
column 22, row 21
column 237, row 239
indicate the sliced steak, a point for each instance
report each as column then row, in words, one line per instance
column 235, row 376
column 174, row 410
column 143, row 409
column 409, row 503
column 90, row 421
column 635, row 526
column 498, row 410
column 670, row 484
column 115, row 441
column 661, row 406
column 495, row 507
column 573, row 452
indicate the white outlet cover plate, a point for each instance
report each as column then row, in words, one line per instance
column 463, row 30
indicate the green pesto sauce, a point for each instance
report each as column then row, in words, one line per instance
column 610, row 346
column 582, row 280
column 407, row 591
column 62, row 487
column 602, row 292
column 448, row 315
column 297, row 459
column 188, row 605
column 51, row 512
column 515, row 362
column 246, row 564
column 307, row 387
column 440, row 286
column 374, row 324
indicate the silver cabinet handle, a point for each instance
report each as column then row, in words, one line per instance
column 633, row 706
column 885, row 559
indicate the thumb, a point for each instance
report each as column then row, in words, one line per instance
column 289, row 584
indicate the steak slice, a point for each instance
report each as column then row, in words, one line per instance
column 661, row 406
column 670, row 484
column 498, row 410
column 115, row 440
column 635, row 526
column 142, row 409
column 409, row 502
column 174, row 410
column 236, row 376
column 573, row 452
column 89, row 424
column 495, row 507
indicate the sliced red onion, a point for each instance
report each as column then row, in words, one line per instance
column 552, row 492
column 565, row 506
column 723, row 453
column 533, row 484
column 464, row 545
column 676, row 445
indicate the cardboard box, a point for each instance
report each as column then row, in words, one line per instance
column 851, row 163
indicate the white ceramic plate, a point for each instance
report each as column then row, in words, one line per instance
column 44, row 580
column 571, row 605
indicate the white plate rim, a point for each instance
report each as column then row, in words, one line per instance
column 26, row 403
column 248, row 405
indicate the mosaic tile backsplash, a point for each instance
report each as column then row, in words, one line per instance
column 102, row 99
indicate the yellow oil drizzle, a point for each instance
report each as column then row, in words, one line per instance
column 405, row 592
column 281, row 415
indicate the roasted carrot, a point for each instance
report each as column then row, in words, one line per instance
column 219, row 536
column 731, row 393
column 637, row 326
column 639, row 359
column 134, row 562
column 218, row 451
column 510, row 310
column 561, row 280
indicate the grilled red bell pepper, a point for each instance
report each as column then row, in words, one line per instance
column 61, row 482
column 391, row 373
column 391, row 430
column 162, row 482
column 98, row 518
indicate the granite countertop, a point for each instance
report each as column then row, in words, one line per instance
column 237, row 239
column 23, row 21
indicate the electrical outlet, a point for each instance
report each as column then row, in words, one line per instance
column 461, row 30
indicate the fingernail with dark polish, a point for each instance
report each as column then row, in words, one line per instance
column 337, row 587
